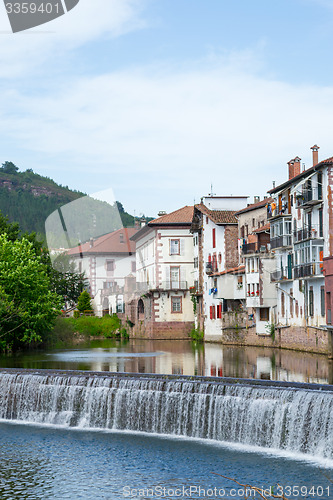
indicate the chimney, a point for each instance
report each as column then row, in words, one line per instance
column 91, row 242
column 256, row 199
column 142, row 222
column 294, row 167
column 161, row 212
column 315, row 154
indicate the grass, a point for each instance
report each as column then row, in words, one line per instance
column 66, row 329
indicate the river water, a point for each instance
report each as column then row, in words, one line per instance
column 49, row 462
column 180, row 357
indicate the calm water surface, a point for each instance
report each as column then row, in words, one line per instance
column 49, row 463
column 180, row 357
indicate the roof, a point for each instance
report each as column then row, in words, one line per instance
column 109, row 243
column 180, row 217
column 254, row 206
column 235, row 270
column 218, row 216
column 328, row 161
column 262, row 229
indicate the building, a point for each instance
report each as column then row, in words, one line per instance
column 110, row 266
column 164, row 263
column 215, row 241
column 301, row 230
column 259, row 264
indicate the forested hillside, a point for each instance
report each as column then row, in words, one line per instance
column 29, row 198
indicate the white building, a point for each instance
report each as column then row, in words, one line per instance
column 259, row 262
column 164, row 261
column 300, row 216
column 215, row 238
column 108, row 263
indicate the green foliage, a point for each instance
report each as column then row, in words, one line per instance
column 92, row 326
column 9, row 168
column 28, row 306
column 197, row 335
column 84, row 302
column 194, row 302
column 124, row 333
column 270, row 329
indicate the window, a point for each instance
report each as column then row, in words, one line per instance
column 311, row 302
column 253, row 222
column 264, row 313
column 174, row 276
column 282, row 304
column 174, row 247
column 214, row 237
column 196, row 262
column 291, row 303
column 110, row 265
column 176, row 304
column 322, row 301
column 320, row 214
column 133, row 266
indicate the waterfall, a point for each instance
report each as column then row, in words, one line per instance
column 280, row 416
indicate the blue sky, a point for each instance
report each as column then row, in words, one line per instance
column 157, row 99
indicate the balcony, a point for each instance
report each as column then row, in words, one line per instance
column 285, row 273
column 196, row 289
column 211, row 268
column 310, row 197
column 281, row 241
column 308, row 233
column 161, row 286
column 308, row 270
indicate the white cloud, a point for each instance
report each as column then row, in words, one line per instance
column 140, row 131
column 24, row 53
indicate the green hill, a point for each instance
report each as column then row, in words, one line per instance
column 29, row 198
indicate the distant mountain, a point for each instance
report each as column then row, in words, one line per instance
column 29, row 198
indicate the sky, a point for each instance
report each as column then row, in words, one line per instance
column 160, row 99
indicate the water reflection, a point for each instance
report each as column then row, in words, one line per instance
column 181, row 357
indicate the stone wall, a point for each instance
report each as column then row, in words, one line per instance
column 296, row 337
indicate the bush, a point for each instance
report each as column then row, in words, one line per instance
column 197, row 335
column 84, row 304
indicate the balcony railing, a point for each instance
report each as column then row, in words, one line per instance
column 161, row 286
column 310, row 269
column 307, row 233
column 211, row 268
column 255, row 248
column 281, row 241
column 285, row 273
column 311, row 196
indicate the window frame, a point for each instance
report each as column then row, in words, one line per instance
column 176, row 299
column 171, row 245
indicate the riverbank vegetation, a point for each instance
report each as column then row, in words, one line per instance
column 67, row 330
column 32, row 292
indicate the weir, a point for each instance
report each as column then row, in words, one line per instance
column 281, row 416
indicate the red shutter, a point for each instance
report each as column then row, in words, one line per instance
column 211, row 312
column 209, row 258
column 214, row 238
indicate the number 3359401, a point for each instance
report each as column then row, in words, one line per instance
column 32, row 8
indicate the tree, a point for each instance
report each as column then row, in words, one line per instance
column 9, row 167
column 84, row 303
column 66, row 281
column 28, row 305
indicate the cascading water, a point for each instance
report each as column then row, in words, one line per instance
column 279, row 417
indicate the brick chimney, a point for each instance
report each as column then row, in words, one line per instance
column 315, row 154
column 294, row 167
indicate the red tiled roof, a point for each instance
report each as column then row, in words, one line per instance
column 253, row 206
column 236, row 270
column 181, row 216
column 109, row 243
column 218, row 216
column 261, row 229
